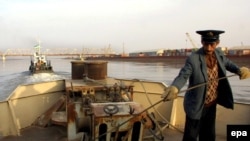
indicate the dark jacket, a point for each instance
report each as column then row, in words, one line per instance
column 195, row 70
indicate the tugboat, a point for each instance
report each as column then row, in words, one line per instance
column 39, row 63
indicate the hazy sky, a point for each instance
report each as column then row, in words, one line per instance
column 139, row 24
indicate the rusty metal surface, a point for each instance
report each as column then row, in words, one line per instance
column 96, row 70
column 77, row 69
column 126, row 122
column 90, row 111
column 125, row 108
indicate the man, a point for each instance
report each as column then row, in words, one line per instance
column 206, row 65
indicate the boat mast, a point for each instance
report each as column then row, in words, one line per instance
column 38, row 47
column 39, row 50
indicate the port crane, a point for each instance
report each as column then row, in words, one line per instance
column 191, row 40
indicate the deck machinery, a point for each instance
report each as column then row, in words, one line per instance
column 98, row 110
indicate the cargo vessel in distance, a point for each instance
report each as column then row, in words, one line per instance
column 241, row 60
column 176, row 56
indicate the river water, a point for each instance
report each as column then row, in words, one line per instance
column 14, row 71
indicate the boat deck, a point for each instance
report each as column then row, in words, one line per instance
column 35, row 133
column 59, row 133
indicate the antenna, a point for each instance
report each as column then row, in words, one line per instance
column 39, row 45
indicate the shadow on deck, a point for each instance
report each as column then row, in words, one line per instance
column 59, row 133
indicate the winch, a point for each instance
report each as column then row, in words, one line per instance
column 103, row 109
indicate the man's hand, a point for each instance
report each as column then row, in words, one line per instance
column 244, row 73
column 170, row 93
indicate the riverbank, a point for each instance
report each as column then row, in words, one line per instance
column 243, row 60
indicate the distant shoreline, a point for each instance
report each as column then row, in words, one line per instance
column 243, row 60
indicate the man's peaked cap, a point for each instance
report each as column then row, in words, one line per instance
column 210, row 35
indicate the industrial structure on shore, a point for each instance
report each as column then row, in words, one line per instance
column 238, row 51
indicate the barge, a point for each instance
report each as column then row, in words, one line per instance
column 241, row 60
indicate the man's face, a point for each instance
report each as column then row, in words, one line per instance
column 209, row 47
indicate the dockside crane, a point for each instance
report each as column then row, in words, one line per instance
column 191, row 40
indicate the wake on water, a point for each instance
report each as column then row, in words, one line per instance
column 8, row 83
